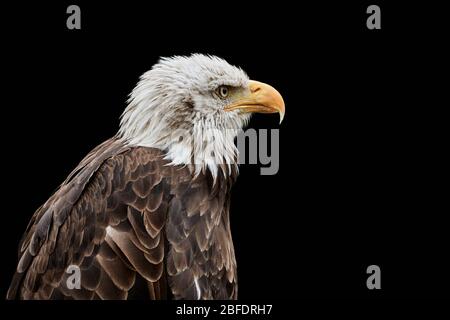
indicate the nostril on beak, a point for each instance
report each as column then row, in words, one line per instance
column 255, row 88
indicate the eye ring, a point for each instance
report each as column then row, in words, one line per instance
column 223, row 91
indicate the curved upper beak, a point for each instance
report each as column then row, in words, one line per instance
column 262, row 98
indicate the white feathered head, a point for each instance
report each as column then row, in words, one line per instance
column 193, row 107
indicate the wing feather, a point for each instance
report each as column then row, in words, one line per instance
column 95, row 220
column 136, row 227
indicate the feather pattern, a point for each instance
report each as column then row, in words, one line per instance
column 136, row 227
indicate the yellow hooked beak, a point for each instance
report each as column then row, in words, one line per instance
column 261, row 98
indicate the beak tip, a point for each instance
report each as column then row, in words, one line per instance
column 281, row 116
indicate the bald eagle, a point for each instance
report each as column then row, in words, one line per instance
column 145, row 215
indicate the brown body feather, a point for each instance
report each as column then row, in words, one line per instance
column 137, row 227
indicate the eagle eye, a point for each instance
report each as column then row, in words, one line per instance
column 222, row 91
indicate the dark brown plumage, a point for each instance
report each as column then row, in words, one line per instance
column 137, row 227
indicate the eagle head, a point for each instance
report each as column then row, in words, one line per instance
column 193, row 107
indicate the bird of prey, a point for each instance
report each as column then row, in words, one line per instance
column 145, row 215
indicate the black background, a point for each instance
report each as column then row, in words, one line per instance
column 361, row 179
